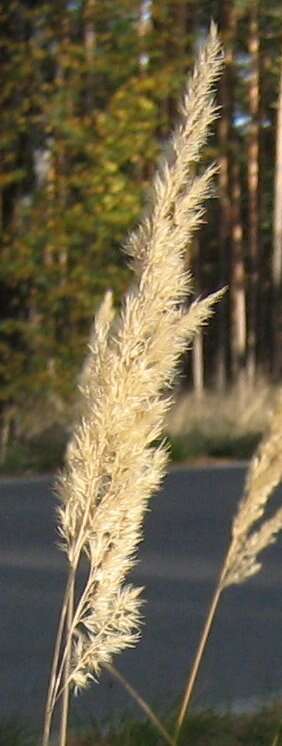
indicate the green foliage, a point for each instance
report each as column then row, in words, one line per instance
column 202, row 729
column 13, row 733
column 205, row 728
column 37, row 455
column 88, row 95
column 198, row 444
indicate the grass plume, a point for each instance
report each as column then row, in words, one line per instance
column 113, row 464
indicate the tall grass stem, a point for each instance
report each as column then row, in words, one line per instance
column 53, row 675
column 198, row 659
column 66, row 694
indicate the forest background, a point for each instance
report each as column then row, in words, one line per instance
column 88, row 96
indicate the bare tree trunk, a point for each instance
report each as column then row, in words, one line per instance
column 223, row 230
column 254, row 185
column 277, row 245
column 8, row 415
column 198, row 366
column 228, row 21
column 237, row 285
column 198, row 363
column 180, row 16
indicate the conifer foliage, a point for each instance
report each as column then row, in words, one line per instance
column 87, row 99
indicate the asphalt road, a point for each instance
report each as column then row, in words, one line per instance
column 186, row 534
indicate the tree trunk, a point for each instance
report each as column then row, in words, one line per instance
column 180, row 17
column 61, row 158
column 253, row 186
column 237, row 285
column 228, row 21
column 198, row 363
column 277, row 246
column 89, row 46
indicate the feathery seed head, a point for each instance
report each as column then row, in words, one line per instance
column 112, row 463
column 249, row 537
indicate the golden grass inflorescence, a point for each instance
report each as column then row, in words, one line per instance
column 117, row 456
column 115, row 461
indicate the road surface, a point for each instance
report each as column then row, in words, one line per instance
column 186, row 535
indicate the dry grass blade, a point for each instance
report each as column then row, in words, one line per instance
column 141, row 702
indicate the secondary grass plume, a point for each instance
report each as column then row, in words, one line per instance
column 252, row 532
